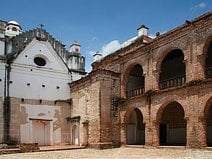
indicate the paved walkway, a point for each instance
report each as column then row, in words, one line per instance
column 117, row 153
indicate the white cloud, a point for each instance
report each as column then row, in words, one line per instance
column 94, row 38
column 110, row 47
column 202, row 5
column 199, row 6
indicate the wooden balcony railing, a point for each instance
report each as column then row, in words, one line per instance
column 135, row 92
column 173, row 82
column 208, row 72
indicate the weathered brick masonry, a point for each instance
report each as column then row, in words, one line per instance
column 164, row 84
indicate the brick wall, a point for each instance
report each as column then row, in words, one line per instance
column 192, row 39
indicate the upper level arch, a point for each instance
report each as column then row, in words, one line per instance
column 171, row 69
column 208, row 57
column 133, row 80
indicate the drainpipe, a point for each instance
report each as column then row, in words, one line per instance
column 6, row 102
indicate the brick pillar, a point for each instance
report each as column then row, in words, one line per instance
column 123, row 134
column 155, row 134
column 202, row 126
column 148, row 134
column 155, row 80
column 192, row 133
column 200, row 75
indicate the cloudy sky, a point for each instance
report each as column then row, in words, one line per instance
column 101, row 25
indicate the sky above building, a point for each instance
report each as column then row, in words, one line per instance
column 101, row 25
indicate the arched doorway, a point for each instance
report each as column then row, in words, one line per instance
column 75, row 135
column 172, row 72
column 173, row 126
column 135, row 128
column 209, row 126
column 208, row 62
column 135, row 82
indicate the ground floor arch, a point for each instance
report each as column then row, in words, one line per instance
column 135, row 128
column 172, row 125
column 208, row 114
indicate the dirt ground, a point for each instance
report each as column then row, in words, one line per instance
column 116, row 153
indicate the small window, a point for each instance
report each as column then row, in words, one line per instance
column 76, row 49
column 14, row 29
column 40, row 61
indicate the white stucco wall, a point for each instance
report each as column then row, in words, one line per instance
column 2, row 75
column 28, row 78
column 2, row 47
column 43, row 112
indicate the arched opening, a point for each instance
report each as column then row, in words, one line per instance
column 135, row 128
column 135, row 82
column 75, row 135
column 172, row 72
column 209, row 126
column 208, row 62
column 173, row 126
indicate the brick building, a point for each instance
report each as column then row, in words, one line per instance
column 152, row 92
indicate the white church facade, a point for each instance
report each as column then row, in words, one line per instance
column 35, row 73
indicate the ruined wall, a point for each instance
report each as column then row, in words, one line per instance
column 93, row 98
column 85, row 103
column 25, row 111
column 109, row 98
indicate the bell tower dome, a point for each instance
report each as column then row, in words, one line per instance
column 75, row 47
column 12, row 29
